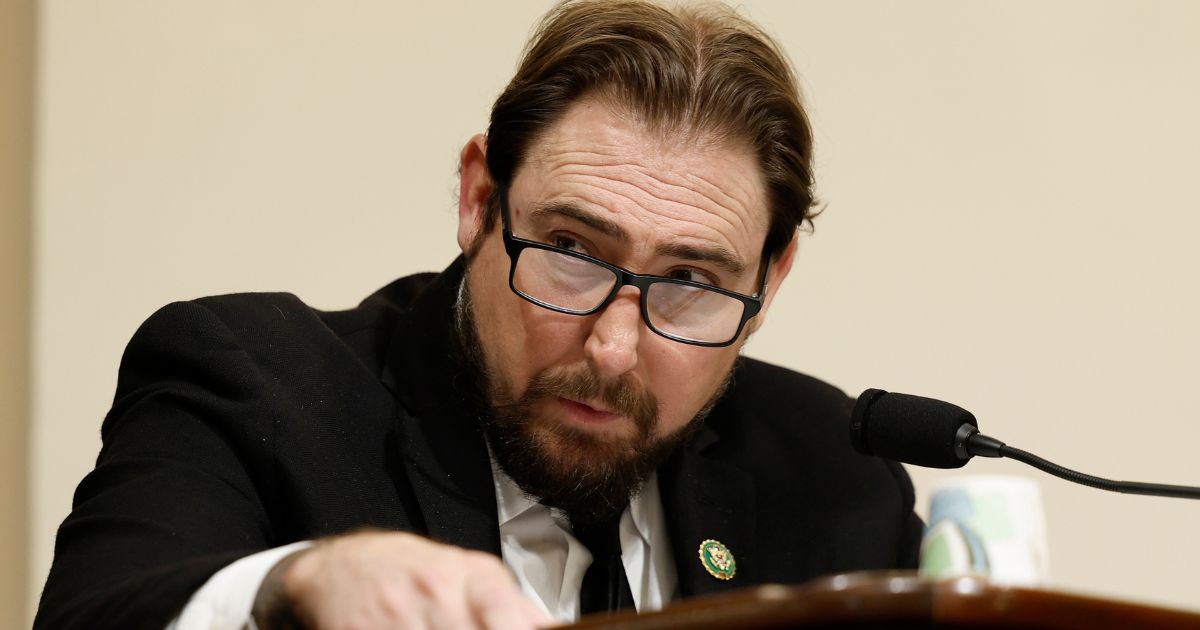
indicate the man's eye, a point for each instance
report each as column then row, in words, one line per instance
column 568, row 243
column 691, row 275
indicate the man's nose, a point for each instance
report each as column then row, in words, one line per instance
column 611, row 347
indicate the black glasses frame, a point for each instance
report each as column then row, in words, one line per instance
column 514, row 245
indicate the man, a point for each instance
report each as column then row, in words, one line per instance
column 557, row 424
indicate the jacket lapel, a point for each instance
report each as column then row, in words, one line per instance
column 438, row 434
column 706, row 499
column 451, row 477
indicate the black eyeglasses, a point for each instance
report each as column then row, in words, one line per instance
column 577, row 284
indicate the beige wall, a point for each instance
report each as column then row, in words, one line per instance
column 16, row 146
column 1009, row 226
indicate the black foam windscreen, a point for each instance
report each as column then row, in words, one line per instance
column 909, row 429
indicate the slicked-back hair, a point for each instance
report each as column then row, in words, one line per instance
column 697, row 71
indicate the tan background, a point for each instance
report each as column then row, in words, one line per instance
column 1010, row 189
column 16, row 147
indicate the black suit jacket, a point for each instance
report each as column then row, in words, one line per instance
column 244, row 422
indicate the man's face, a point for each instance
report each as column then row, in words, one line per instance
column 597, row 182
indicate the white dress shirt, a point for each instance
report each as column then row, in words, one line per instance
column 548, row 562
column 536, row 544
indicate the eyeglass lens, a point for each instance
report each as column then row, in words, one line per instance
column 579, row 286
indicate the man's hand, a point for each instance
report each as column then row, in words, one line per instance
column 392, row 580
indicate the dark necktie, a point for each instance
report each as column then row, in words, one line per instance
column 605, row 586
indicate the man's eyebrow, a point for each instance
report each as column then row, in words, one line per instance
column 598, row 223
column 717, row 255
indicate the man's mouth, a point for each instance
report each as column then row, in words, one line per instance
column 588, row 413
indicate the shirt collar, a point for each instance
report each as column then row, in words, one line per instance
column 511, row 502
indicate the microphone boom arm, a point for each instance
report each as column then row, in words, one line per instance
column 984, row 446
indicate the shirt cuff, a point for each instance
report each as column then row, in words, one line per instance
column 225, row 600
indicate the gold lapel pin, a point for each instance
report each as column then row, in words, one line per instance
column 717, row 559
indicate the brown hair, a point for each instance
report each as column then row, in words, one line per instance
column 680, row 70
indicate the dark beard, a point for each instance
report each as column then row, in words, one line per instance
column 589, row 477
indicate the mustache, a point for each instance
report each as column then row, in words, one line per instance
column 622, row 395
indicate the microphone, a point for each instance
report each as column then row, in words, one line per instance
column 937, row 434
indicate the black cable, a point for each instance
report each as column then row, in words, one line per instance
column 1128, row 487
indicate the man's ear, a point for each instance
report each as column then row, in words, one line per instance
column 779, row 271
column 475, row 187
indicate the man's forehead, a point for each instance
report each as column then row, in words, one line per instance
column 679, row 175
column 601, row 123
